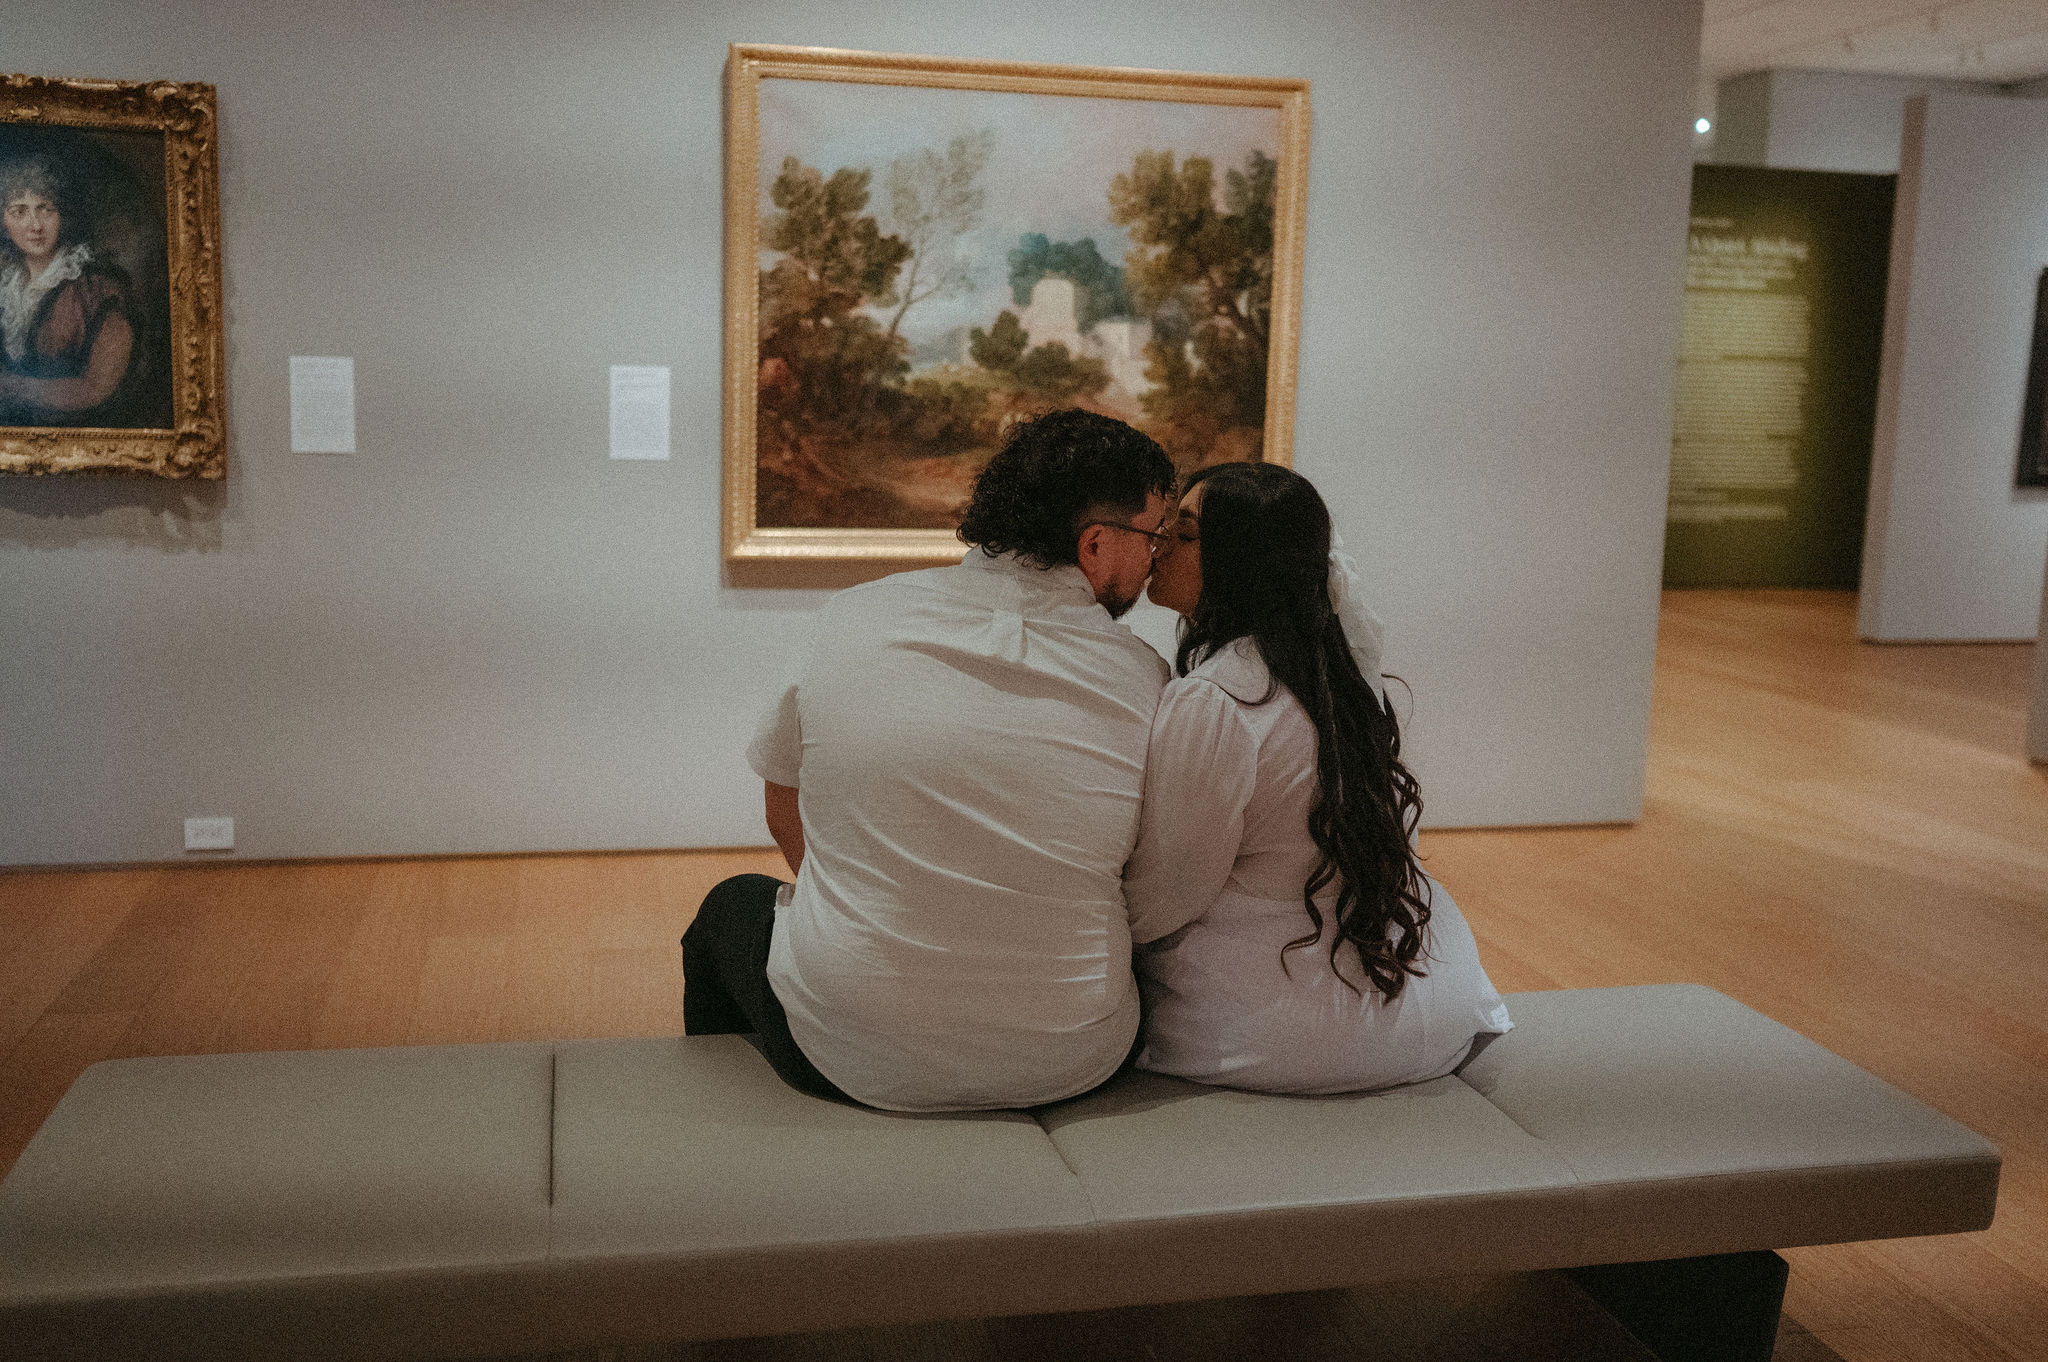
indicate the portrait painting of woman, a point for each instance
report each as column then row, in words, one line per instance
column 83, row 287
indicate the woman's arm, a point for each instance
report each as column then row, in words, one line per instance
column 104, row 370
column 1199, row 773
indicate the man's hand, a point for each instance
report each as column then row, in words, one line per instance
column 785, row 825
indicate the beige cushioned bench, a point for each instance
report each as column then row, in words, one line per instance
column 495, row 1199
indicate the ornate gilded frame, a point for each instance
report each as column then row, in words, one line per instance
column 184, row 112
column 747, row 64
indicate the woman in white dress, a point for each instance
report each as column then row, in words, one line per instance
column 1288, row 938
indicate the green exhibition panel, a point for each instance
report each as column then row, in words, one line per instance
column 1777, row 377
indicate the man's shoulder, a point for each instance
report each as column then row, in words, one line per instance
column 893, row 591
column 1144, row 658
column 964, row 588
column 989, row 613
column 922, row 603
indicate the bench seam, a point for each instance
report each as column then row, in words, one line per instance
column 1098, row 1228
column 1482, row 1096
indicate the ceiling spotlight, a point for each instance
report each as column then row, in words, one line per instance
column 1703, row 125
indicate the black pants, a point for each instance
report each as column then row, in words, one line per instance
column 725, row 980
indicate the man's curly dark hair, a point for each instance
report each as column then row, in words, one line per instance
column 1052, row 472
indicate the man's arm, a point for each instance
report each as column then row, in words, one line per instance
column 785, row 825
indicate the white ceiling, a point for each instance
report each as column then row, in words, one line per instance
column 1989, row 40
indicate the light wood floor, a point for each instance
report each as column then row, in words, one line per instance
column 1845, row 837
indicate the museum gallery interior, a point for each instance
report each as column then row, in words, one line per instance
column 431, row 435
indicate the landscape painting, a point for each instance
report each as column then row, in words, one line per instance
column 935, row 251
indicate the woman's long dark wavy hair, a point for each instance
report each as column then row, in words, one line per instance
column 1265, row 537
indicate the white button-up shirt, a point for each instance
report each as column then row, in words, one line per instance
column 968, row 744
column 1215, row 895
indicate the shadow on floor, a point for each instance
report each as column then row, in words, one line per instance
column 1520, row 1317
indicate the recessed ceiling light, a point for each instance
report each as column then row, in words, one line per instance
column 1703, row 125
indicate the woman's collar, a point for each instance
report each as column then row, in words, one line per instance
column 1239, row 668
column 69, row 262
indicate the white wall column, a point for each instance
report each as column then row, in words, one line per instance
column 1952, row 549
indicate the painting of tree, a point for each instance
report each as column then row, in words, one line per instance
column 931, row 263
column 826, row 364
column 1201, row 266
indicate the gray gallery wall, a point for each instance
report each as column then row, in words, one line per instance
column 478, row 634
column 1820, row 120
column 1952, row 549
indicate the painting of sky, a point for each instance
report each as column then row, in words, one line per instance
column 1051, row 161
column 937, row 264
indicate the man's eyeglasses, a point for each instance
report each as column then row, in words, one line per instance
column 1161, row 541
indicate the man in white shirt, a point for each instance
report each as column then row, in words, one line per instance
column 955, row 778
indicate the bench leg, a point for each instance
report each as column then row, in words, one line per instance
column 1720, row 1308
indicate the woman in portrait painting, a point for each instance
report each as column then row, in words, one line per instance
column 67, row 320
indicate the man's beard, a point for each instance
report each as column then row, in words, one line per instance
column 1118, row 606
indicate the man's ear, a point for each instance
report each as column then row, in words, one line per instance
column 1088, row 556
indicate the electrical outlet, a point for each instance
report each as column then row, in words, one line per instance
column 209, row 834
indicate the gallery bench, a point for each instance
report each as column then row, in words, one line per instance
column 500, row 1199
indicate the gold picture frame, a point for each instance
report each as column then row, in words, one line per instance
column 950, row 146
column 151, row 256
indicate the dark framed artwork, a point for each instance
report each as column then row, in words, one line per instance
column 1779, row 349
column 922, row 250
column 111, row 353
column 2033, row 461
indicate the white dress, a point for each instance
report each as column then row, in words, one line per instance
column 1214, row 891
